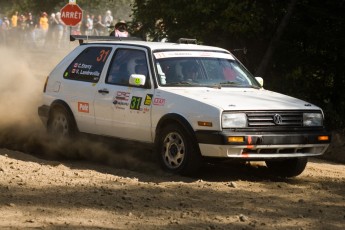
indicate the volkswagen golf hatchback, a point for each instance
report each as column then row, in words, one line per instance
column 188, row 101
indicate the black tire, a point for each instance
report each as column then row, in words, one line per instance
column 288, row 167
column 178, row 150
column 61, row 123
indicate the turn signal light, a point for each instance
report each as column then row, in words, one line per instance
column 205, row 123
column 323, row 138
column 235, row 139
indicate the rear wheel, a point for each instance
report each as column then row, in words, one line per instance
column 61, row 124
column 288, row 167
column 178, row 150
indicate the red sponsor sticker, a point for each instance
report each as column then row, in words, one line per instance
column 83, row 107
column 159, row 101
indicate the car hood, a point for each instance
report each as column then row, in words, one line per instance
column 242, row 99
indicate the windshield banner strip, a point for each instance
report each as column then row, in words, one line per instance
column 172, row 54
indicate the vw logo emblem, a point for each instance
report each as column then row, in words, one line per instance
column 277, row 119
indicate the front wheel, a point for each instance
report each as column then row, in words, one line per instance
column 178, row 150
column 288, row 167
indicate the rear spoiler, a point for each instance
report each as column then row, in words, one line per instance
column 81, row 38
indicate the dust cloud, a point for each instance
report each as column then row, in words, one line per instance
column 23, row 73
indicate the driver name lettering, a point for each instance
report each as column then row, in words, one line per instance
column 83, row 66
column 90, row 73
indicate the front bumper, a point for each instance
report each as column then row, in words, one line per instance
column 262, row 145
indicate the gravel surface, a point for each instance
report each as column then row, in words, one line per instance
column 54, row 194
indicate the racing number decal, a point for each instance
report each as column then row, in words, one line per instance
column 135, row 103
column 103, row 55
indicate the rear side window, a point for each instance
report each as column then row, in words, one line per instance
column 88, row 65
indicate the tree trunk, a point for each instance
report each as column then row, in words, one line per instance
column 261, row 71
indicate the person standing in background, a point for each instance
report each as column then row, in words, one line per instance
column 60, row 29
column 14, row 20
column 108, row 19
column 121, row 29
column 30, row 31
column 44, row 26
column 99, row 27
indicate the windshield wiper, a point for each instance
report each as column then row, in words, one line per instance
column 237, row 84
column 182, row 83
column 229, row 83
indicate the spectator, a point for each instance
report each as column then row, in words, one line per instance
column 5, row 26
column 60, row 26
column 89, row 25
column 108, row 19
column 21, row 25
column 44, row 26
column 14, row 20
column 52, row 32
column 99, row 26
column 30, row 31
column 44, row 23
column 121, row 29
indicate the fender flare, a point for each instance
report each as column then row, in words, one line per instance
column 177, row 118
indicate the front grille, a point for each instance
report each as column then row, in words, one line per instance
column 283, row 118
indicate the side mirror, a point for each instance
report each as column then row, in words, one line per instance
column 260, row 80
column 137, row 79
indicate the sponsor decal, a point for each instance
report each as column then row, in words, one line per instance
column 135, row 103
column 118, row 107
column 73, row 70
column 83, row 107
column 122, row 96
column 159, row 101
column 66, row 74
column 169, row 54
column 148, row 99
column 116, row 102
column 75, row 65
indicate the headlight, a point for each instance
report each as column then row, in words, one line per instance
column 234, row 120
column 312, row 119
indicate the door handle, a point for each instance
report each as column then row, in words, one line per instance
column 103, row 91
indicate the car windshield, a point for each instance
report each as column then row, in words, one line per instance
column 196, row 68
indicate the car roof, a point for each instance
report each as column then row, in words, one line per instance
column 159, row 46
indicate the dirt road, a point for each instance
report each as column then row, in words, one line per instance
column 116, row 188
column 38, row 193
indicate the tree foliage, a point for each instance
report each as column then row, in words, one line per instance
column 307, row 62
column 309, row 55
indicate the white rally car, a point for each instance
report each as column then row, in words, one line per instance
column 189, row 101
